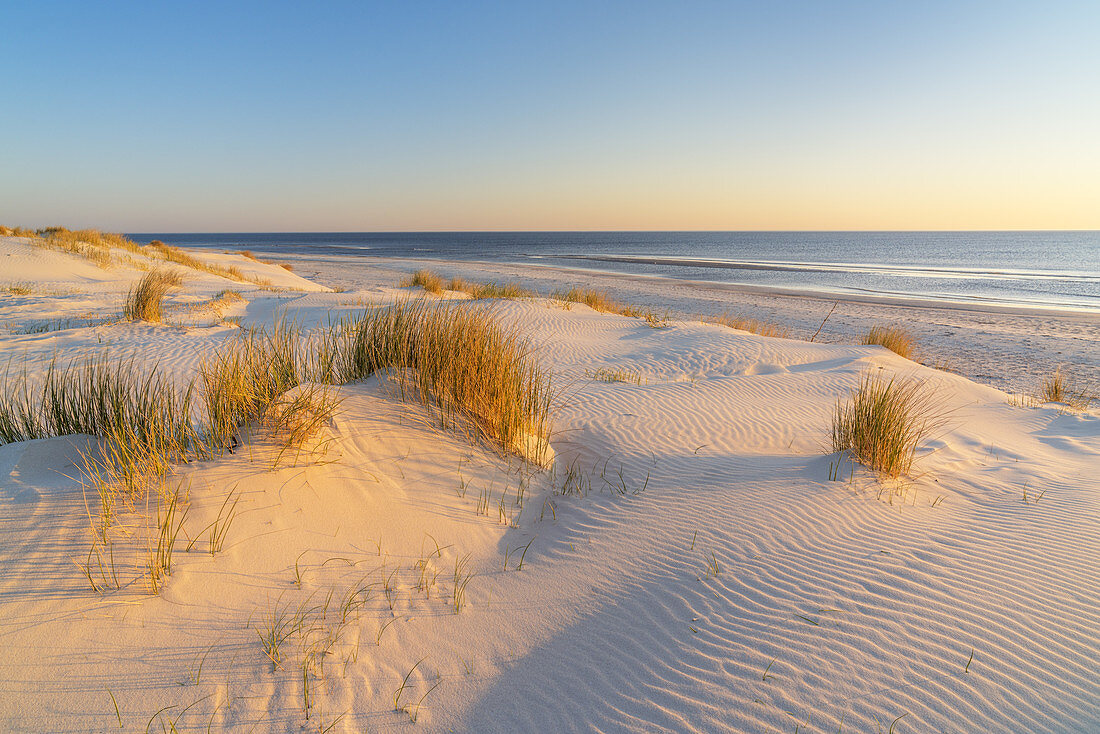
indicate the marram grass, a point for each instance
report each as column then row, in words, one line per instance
column 1060, row 387
column 146, row 298
column 894, row 338
column 456, row 360
column 884, row 420
column 753, row 326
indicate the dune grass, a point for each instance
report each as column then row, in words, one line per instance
column 894, row 338
column 496, row 290
column 458, row 361
column 425, row 279
column 433, row 283
column 146, row 298
column 604, row 374
column 751, row 325
column 158, row 249
column 596, row 300
column 883, row 421
column 252, row 256
column 1060, row 387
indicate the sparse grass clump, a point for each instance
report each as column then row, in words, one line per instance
column 425, row 279
column 753, row 326
column 146, row 298
column 604, row 374
column 1062, row 388
column 894, row 338
column 178, row 256
column 496, row 290
column 596, row 300
column 883, row 421
column 433, row 283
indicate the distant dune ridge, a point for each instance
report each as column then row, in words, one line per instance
column 460, row 503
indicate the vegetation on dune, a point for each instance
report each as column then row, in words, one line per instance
column 146, row 298
column 96, row 247
column 753, row 326
column 178, row 256
column 1060, row 387
column 457, row 361
column 425, row 279
column 894, row 338
column 883, row 421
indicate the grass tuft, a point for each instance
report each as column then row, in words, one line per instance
column 894, row 338
column 753, row 326
column 883, row 421
column 1062, row 388
column 425, row 279
column 145, row 299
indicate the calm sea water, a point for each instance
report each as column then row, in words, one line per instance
column 1035, row 269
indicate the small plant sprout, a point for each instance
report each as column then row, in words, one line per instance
column 969, row 661
column 712, row 566
column 765, row 675
column 381, row 629
column 118, row 715
column 221, row 525
column 404, row 684
column 298, row 570
column 461, row 579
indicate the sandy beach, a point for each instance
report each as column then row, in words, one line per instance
column 689, row 554
column 1011, row 349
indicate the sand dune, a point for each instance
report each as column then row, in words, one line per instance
column 687, row 565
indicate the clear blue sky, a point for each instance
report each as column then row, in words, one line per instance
column 195, row 116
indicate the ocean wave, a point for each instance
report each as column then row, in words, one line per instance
column 911, row 271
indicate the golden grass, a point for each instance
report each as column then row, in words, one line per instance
column 425, row 279
column 1060, row 387
column 433, row 283
column 496, row 290
column 178, row 256
column 19, row 289
column 883, row 421
column 458, row 361
column 596, row 300
column 753, row 326
column 252, row 256
column 894, row 338
column 146, row 298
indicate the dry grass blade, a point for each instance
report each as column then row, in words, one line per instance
column 895, row 339
column 146, row 298
column 884, row 420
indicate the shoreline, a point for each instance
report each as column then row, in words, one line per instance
column 1011, row 349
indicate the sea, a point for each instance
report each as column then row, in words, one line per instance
column 1057, row 270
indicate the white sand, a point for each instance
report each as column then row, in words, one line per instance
column 1009, row 348
column 866, row 609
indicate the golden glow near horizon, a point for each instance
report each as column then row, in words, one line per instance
column 735, row 116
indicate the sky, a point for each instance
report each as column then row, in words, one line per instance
column 361, row 116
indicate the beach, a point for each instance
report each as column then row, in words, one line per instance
column 686, row 553
column 1009, row 348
